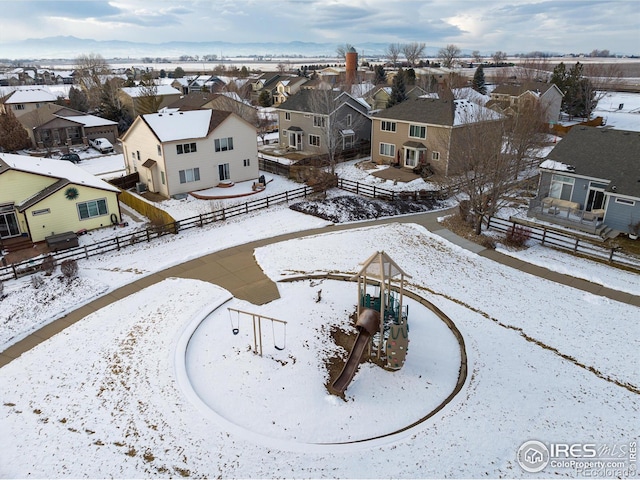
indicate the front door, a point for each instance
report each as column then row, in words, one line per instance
column 9, row 225
column 295, row 140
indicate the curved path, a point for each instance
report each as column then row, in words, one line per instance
column 236, row 270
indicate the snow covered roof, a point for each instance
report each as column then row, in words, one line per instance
column 189, row 124
column 53, row 168
column 470, row 112
column 558, row 166
column 135, row 92
column 89, row 120
column 31, row 95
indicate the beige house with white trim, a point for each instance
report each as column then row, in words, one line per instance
column 40, row 197
column 181, row 152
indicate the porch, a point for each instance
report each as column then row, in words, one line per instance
column 569, row 214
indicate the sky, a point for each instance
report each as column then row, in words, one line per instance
column 564, row 26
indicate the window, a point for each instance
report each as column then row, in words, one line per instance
column 417, row 131
column 159, row 151
column 319, row 121
column 138, row 153
column 624, row 201
column 223, row 144
column 162, row 177
column 388, row 126
column 18, row 107
column 189, row 175
column 287, row 115
column 314, row 140
column 561, row 187
column 93, row 208
column 41, row 212
column 435, row 155
column 349, row 120
column 387, row 149
column 223, row 172
column 246, row 162
column 185, row 148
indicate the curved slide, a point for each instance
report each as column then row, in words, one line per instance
column 367, row 324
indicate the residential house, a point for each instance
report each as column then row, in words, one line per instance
column 228, row 102
column 180, row 152
column 26, row 99
column 285, row 87
column 54, row 125
column 320, row 121
column 590, row 181
column 510, row 98
column 379, row 98
column 425, row 130
column 40, row 197
column 137, row 98
column 265, row 82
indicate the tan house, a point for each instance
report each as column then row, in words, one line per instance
column 379, row 98
column 26, row 99
column 286, row 87
column 137, row 99
column 425, row 130
column 180, row 152
column 509, row 98
column 40, row 197
column 227, row 102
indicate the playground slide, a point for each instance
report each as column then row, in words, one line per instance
column 367, row 322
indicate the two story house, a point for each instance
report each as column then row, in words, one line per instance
column 590, row 181
column 425, row 130
column 137, row 99
column 285, row 88
column 181, row 152
column 510, row 98
column 26, row 99
column 226, row 101
column 317, row 121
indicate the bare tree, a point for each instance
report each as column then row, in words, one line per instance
column 603, row 77
column 499, row 57
column 413, row 52
column 533, row 69
column 476, row 57
column 449, row 55
column 89, row 70
column 148, row 100
column 282, row 67
column 392, row 52
column 342, row 50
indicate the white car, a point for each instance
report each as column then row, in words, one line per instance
column 101, row 144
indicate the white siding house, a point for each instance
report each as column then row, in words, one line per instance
column 181, row 152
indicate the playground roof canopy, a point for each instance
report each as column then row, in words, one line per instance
column 381, row 267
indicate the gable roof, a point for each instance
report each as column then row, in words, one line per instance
column 29, row 95
column 515, row 90
column 169, row 127
column 438, row 111
column 66, row 173
column 303, row 101
column 601, row 153
column 137, row 92
column 193, row 100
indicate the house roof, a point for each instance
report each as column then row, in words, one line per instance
column 29, row 95
column 308, row 101
column 88, row 120
column 515, row 90
column 169, row 127
column 601, row 153
column 438, row 111
column 66, row 173
column 193, row 100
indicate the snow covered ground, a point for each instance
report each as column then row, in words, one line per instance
column 156, row 384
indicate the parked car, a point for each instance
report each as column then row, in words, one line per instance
column 101, row 144
column 71, row 157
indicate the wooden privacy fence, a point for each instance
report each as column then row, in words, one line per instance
column 16, row 270
column 553, row 238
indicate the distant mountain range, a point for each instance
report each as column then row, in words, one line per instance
column 69, row 47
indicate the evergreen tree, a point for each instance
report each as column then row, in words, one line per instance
column 579, row 94
column 398, row 89
column 478, row 83
column 381, row 75
column 178, row 72
column 13, row 136
column 265, row 99
column 410, row 76
column 78, row 100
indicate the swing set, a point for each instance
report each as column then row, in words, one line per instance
column 257, row 329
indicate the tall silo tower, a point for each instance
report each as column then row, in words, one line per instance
column 351, row 58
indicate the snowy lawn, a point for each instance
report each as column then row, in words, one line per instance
column 108, row 397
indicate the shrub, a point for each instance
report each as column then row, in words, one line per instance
column 48, row 265
column 69, row 269
column 36, row 281
column 517, row 236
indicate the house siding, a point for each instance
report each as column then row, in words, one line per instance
column 620, row 216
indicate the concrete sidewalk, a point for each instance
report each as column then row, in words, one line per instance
column 236, row 270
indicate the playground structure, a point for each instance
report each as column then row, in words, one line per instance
column 256, row 320
column 382, row 319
